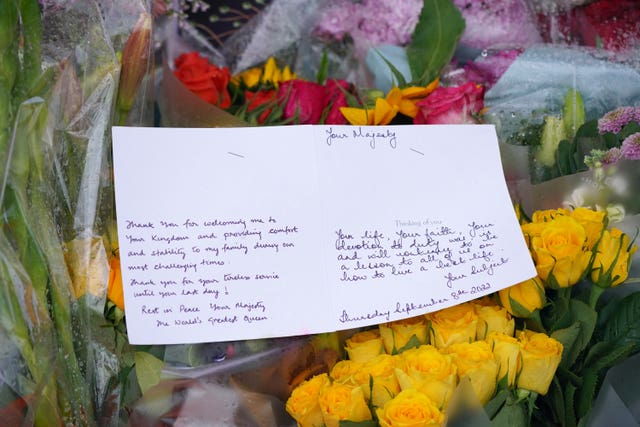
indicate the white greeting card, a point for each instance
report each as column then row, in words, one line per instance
column 231, row 234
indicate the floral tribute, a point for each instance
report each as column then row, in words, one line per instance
column 538, row 338
column 534, row 353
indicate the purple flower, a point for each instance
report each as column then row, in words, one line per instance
column 498, row 24
column 370, row 22
column 630, row 147
column 614, row 120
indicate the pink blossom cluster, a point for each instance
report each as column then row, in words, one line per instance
column 369, row 22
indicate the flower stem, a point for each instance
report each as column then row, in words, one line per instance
column 594, row 295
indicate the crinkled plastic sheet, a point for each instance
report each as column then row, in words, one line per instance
column 60, row 363
column 537, row 81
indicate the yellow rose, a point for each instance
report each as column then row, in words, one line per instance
column 548, row 214
column 396, row 335
column 491, row 318
column 452, row 325
column 612, row 260
column 559, row 251
column 506, row 349
column 250, row 77
column 303, row 404
column 476, row 361
column 428, row 370
column 340, row 402
column 524, row 298
column 380, row 370
column 410, row 408
column 593, row 222
column 364, row 345
column 541, row 356
column 343, row 372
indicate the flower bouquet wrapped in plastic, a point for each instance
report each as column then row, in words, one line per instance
column 69, row 70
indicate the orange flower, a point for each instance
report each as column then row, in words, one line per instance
column 115, row 292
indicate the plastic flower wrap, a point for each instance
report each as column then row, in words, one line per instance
column 74, row 68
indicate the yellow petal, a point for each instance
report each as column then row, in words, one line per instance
column 414, row 92
column 270, row 68
column 358, row 116
column 408, row 108
column 394, row 97
column 384, row 112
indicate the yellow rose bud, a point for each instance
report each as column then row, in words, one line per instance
column 506, row 349
column 250, row 77
column 115, row 291
column 559, row 251
column 410, row 408
column 303, row 404
column 428, row 370
column 593, row 222
column 476, row 361
column 541, row 356
column 380, row 370
column 548, row 214
column 396, row 335
column 340, row 402
column 524, row 298
column 364, row 345
column 343, row 372
column 452, row 325
column 613, row 258
column 492, row 318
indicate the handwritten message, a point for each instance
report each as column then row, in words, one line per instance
column 246, row 238
column 204, row 264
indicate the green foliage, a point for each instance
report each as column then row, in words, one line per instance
column 148, row 369
column 434, row 40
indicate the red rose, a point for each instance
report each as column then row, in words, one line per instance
column 335, row 95
column 207, row 81
column 302, row 100
column 262, row 99
column 451, row 105
column 616, row 23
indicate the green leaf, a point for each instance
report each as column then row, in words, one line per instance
column 623, row 326
column 587, row 316
column 493, row 406
column 586, row 392
column 569, row 337
column 412, row 343
column 400, row 80
column 323, row 68
column 569, row 402
column 565, row 157
column 434, row 40
column 511, row 415
column 148, row 369
column 628, row 129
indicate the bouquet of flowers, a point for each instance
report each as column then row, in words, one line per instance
column 532, row 353
column 535, row 352
column 69, row 70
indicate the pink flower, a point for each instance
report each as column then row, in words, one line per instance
column 488, row 69
column 303, row 101
column 498, row 24
column 451, row 105
column 630, row 147
column 615, row 120
column 611, row 156
column 335, row 96
column 369, row 22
